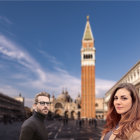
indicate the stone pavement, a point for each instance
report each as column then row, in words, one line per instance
column 72, row 131
column 10, row 131
column 56, row 131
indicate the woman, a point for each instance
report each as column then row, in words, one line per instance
column 123, row 117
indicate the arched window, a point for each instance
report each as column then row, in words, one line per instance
column 96, row 105
column 58, row 105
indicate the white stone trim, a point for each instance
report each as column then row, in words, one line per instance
column 88, row 63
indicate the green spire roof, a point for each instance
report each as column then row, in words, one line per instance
column 88, row 33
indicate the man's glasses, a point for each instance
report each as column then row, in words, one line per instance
column 43, row 103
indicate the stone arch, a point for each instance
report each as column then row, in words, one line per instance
column 66, row 114
column 58, row 105
column 58, row 112
column 96, row 105
column 79, row 114
column 73, row 115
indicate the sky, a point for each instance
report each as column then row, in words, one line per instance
column 40, row 43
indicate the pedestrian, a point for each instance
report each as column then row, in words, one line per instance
column 89, row 122
column 5, row 119
column 123, row 117
column 95, row 123
column 34, row 127
column 80, row 123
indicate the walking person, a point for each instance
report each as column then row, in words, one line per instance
column 95, row 123
column 123, row 118
column 34, row 128
column 80, row 123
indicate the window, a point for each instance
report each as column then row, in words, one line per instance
column 88, row 56
column 58, row 105
column 96, row 105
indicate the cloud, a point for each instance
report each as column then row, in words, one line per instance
column 4, row 20
column 51, row 58
column 9, row 90
column 57, row 81
column 102, row 86
column 29, row 102
column 73, row 86
column 46, row 80
column 14, row 52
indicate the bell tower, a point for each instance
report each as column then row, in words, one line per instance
column 88, row 73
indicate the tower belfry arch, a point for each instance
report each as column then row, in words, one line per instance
column 88, row 73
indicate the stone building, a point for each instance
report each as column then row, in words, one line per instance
column 65, row 107
column 132, row 76
column 10, row 108
column 99, row 108
column 20, row 98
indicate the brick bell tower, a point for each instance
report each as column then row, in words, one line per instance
column 88, row 74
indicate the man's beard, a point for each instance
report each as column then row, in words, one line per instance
column 42, row 111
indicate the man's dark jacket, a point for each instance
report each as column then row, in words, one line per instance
column 34, row 128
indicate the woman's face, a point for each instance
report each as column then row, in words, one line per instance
column 122, row 101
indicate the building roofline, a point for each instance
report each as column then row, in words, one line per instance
column 6, row 96
column 123, row 77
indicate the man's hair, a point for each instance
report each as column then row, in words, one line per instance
column 43, row 93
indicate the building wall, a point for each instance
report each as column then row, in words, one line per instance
column 64, row 107
column 88, row 91
column 99, row 107
column 60, row 106
column 10, row 108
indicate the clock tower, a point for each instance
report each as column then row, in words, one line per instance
column 88, row 74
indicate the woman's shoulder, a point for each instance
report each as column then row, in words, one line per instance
column 135, row 135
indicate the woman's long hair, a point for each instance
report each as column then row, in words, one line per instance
column 130, row 120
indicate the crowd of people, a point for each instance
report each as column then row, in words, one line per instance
column 83, row 122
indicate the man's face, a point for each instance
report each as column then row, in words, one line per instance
column 43, row 105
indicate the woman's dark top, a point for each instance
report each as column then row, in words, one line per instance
column 34, row 128
column 107, row 136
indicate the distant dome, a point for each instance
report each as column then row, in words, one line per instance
column 64, row 96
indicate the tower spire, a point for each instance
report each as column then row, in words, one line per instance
column 88, row 32
column 87, row 18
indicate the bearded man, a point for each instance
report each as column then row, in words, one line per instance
column 34, row 127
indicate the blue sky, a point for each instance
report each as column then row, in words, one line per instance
column 40, row 45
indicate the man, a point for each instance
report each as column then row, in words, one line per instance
column 34, row 127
